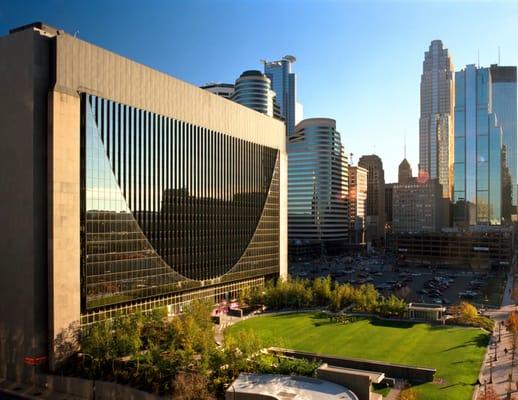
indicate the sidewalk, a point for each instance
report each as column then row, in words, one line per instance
column 496, row 357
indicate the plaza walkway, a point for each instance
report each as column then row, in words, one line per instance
column 498, row 366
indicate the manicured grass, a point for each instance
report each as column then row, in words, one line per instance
column 455, row 352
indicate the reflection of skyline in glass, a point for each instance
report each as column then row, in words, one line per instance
column 169, row 206
column 478, row 150
column 504, row 101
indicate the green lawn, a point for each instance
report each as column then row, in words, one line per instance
column 455, row 352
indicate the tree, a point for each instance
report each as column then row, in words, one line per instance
column 512, row 322
column 322, row 291
column 366, row 298
column 467, row 311
column 392, row 306
column 126, row 335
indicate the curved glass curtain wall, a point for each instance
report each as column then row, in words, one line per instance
column 255, row 93
column 317, row 186
column 169, row 206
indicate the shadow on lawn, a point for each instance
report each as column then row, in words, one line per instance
column 459, row 384
column 481, row 340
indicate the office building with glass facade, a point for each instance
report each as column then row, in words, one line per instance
column 128, row 189
column 375, row 219
column 357, row 203
column 479, row 150
column 253, row 90
column 436, row 120
column 284, row 84
column 503, row 80
column 318, row 187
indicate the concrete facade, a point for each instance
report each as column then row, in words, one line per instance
column 24, row 78
column 64, row 221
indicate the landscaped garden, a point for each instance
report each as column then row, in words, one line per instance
column 456, row 352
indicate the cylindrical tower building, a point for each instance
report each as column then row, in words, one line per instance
column 317, row 186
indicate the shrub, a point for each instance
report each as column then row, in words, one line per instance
column 408, row 394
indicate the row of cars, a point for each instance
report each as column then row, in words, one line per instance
column 435, row 288
column 473, row 290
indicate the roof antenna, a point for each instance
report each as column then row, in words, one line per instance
column 498, row 55
column 351, row 158
column 478, row 58
column 404, row 146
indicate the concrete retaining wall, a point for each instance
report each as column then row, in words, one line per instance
column 398, row 371
column 84, row 388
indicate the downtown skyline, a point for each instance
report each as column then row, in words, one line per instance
column 366, row 76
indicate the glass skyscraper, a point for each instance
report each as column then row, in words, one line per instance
column 317, row 186
column 435, row 122
column 478, row 150
column 284, row 84
column 253, row 90
column 504, row 105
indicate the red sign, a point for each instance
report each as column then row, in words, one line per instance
column 34, row 360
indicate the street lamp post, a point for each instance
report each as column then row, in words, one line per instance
column 490, row 371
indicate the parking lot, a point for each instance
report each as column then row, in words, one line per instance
column 415, row 284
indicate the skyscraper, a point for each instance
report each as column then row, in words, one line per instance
column 436, row 121
column 317, row 186
column 284, row 84
column 479, row 150
column 404, row 172
column 253, row 90
column 357, row 203
column 375, row 197
column 417, row 203
column 504, row 106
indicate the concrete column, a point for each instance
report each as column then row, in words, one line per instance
column 64, row 224
column 283, row 215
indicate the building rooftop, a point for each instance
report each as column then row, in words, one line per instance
column 375, row 377
column 285, row 387
column 252, row 72
column 37, row 25
column 217, row 84
column 426, row 307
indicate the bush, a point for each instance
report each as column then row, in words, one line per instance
column 408, row 394
column 467, row 315
column 392, row 307
column 191, row 386
column 302, row 293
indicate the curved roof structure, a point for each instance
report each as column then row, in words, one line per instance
column 285, row 387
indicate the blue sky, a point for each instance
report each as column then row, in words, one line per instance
column 357, row 61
